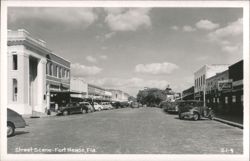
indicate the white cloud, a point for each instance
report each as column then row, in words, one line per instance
column 123, row 19
column 72, row 17
column 175, row 28
column 206, row 25
column 109, row 35
column 79, row 70
column 232, row 49
column 187, row 28
column 91, row 59
column 103, row 57
column 130, row 85
column 229, row 38
column 231, row 30
column 156, row 68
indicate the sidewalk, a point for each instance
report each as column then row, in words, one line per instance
column 232, row 120
column 39, row 115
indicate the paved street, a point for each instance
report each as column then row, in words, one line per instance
column 126, row 131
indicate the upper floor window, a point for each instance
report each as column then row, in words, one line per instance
column 51, row 69
column 226, row 100
column 14, row 57
column 14, row 90
column 57, row 71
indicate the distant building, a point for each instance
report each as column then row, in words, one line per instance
column 78, row 88
column 95, row 92
column 202, row 74
column 34, row 72
column 118, row 95
column 188, row 94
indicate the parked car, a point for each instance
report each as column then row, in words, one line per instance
column 104, row 105
column 164, row 105
column 98, row 107
column 116, row 104
column 134, row 105
column 124, row 104
column 14, row 120
column 90, row 107
column 194, row 109
column 71, row 108
column 173, row 107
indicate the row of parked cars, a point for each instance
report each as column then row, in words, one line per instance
column 86, row 107
column 191, row 109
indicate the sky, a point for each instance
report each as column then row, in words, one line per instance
column 133, row 48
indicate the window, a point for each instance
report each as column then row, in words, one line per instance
column 218, row 100
column 213, row 100
column 226, row 100
column 208, row 101
column 203, row 79
column 47, row 68
column 51, row 69
column 14, row 90
column 68, row 74
column 57, row 71
column 14, row 57
column 233, row 99
column 60, row 73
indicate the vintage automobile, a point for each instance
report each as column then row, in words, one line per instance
column 90, row 107
column 134, row 105
column 71, row 108
column 194, row 109
column 98, row 107
column 14, row 120
column 173, row 107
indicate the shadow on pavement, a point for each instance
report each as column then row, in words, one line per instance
column 21, row 132
column 186, row 119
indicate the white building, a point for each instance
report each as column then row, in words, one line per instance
column 79, row 88
column 204, row 73
column 31, row 75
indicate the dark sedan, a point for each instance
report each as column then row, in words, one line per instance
column 71, row 108
column 14, row 120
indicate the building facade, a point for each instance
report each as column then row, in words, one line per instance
column 78, row 88
column 188, row 94
column 118, row 95
column 202, row 74
column 225, row 90
column 95, row 92
column 30, row 80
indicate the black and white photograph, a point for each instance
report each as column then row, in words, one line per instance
column 165, row 80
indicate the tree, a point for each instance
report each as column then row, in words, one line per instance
column 151, row 96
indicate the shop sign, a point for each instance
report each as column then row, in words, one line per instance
column 225, row 85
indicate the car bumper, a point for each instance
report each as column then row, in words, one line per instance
column 187, row 114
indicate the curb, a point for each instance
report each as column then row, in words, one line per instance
column 228, row 122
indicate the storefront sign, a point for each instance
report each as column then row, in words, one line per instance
column 225, row 85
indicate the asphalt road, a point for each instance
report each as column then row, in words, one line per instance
column 126, row 131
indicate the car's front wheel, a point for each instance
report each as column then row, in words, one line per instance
column 65, row 113
column 10, row 129
column 180, row 117
column 196, row 116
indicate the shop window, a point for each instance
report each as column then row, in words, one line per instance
column 218, row 100
column 213, row 100
column 14, row 57
column 208, row 101
column 233, row 99
column 226, row 100
column 14, row 90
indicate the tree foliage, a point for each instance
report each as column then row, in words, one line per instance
column 151, row 96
